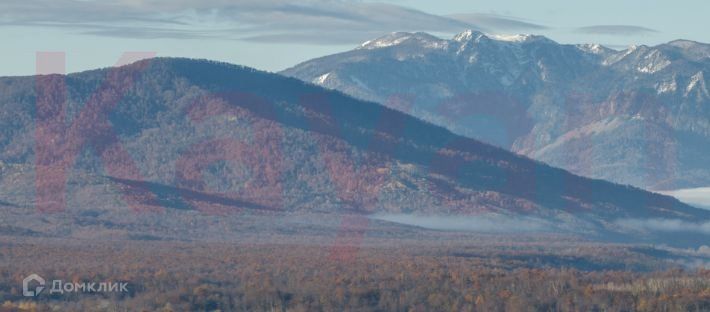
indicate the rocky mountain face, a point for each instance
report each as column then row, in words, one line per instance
column 172, row 135
column 640, row 116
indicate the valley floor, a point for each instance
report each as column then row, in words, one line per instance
column 386, row 269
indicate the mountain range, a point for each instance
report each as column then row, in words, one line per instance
column 639, row 116
column 178, row 135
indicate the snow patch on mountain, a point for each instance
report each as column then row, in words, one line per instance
column 512, row 38
column 618, row 57
column 386, row 41
column 685, row 44
column 473, row 35
column 667, row 86
column 593, row 48
column 321, row 79
column 517, row 38
column 468, row 35
column 653, row 62
column 697, row 82
column 397, row 38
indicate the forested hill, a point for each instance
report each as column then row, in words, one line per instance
column 191, row 134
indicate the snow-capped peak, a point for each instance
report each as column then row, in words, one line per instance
column 515, row 38
column 474, row 35
column 641, row 48
column 686, row 44
column 694, row 50
column 398, row 38
column 394, row 38
column 429, row 41
column 594, row 48
column 469, row 35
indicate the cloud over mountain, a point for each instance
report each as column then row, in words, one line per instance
column 498, row 22
column 616, row 30
column 264, row 21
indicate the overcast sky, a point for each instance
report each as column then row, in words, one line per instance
column 275, row 34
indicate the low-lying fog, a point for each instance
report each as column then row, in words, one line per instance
column 474, row 223
column 666, row 225
column 495, row 223
column 698, row 197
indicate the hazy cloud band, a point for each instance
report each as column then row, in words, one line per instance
column 616, row 30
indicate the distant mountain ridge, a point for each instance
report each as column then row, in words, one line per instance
column 219, row 138
column 640, row 116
